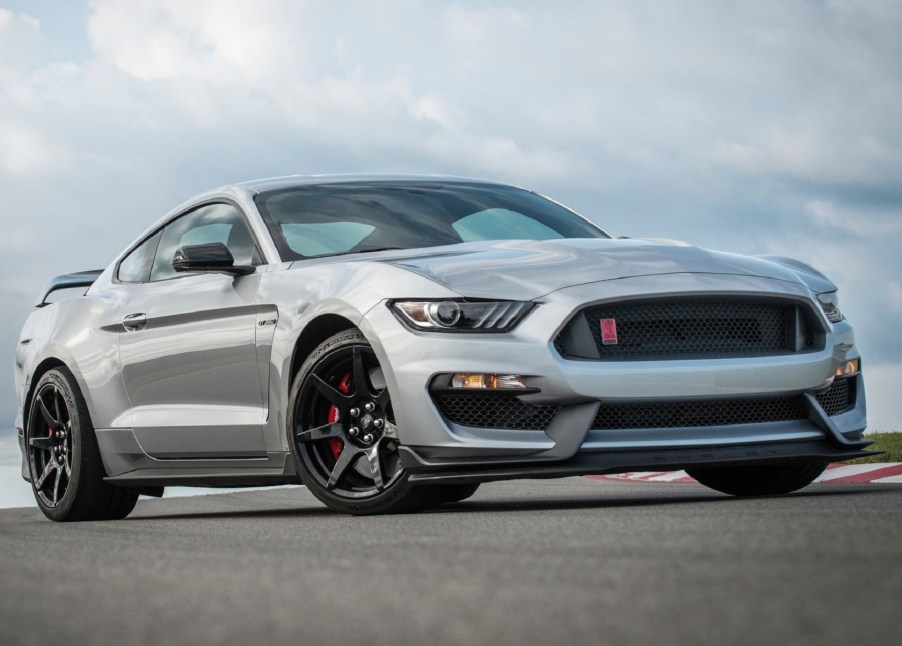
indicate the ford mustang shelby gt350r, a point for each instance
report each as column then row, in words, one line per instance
column 392, row 342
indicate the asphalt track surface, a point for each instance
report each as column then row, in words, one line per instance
column 572, row 561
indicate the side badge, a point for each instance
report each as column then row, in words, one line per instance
column 609, row 331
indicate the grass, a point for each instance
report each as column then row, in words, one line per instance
column 889, row 443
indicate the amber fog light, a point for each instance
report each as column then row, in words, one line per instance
column 848, row 369
column 480, row 381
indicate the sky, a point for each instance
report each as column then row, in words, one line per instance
column 760, row 127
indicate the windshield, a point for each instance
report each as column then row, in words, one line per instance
column 330, row 219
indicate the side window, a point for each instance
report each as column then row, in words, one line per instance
column 502, row 224
column 135, row 267
column 212, row 223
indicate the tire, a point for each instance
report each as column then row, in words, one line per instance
column 442, row 494
column 342, row 432
column 63, row 459
column 760, row 480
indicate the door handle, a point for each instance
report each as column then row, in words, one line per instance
column 133, row 322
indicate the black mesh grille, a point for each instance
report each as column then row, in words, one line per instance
column 698, row 413
column 685, row 329
column 840, row 398
column 495, row 411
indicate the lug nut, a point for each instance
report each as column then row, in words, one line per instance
column 353, row 431
column 368, row 438
column 378, row 423
column 355, row 412
column 370, row 407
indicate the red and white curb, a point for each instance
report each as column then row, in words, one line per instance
column 881, row 472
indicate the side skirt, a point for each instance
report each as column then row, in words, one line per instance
column 128, row 465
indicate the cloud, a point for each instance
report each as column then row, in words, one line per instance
column 19, row 41
column 868, row 223
column 753, row 127
column 214, row 40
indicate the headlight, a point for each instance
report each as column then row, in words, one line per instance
column 830, row 304
column 473, row 316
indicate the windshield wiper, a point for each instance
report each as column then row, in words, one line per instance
column 350, row 252
column 367, row 250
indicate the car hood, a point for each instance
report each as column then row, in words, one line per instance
column 532, row 268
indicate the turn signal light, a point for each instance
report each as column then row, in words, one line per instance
column 487, row 382
column 848, row 369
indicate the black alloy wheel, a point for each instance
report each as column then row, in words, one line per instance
column 50, row 446
column 64, row 461
column 343, row 432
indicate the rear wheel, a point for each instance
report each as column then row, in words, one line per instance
column 760, row 480
column 63, row 459
column 343, row 432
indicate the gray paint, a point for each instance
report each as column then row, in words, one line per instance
column 202, row 381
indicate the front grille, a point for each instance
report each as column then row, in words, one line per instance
column 840, row 397
column 495, row 411
column 698, row 413
column 723, row 327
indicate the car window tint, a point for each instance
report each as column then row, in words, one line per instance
column 218, row 232
column 324, row 238
column 502, row 224
column 135, row 267
column 410, row 215
column 212, row 223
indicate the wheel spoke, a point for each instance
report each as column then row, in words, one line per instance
column 376, row 467
column 382, row 398
column 43, row 443
column 335, row 396
column 361, row 385
column 346, row 459
column 320, row 433
column 48, row 468
column 68, row 467
column 56, row 485
column 52, row 422
column 56, row 407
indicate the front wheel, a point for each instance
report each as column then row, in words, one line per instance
column 343, row 433
column 760, row 480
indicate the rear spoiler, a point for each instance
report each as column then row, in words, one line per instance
column 69, row 281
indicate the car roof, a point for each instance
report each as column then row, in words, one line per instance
column 291, row 181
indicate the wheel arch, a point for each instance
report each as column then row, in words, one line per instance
column 42, row 369
column 313, row 334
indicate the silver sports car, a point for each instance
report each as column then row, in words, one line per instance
column 391, row 342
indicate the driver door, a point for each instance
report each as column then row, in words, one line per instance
column 188, row 351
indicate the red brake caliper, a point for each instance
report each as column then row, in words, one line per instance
column 335, row 444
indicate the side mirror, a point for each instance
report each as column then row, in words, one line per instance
column 213, row 257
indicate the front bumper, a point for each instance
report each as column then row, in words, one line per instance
column 435, row 447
